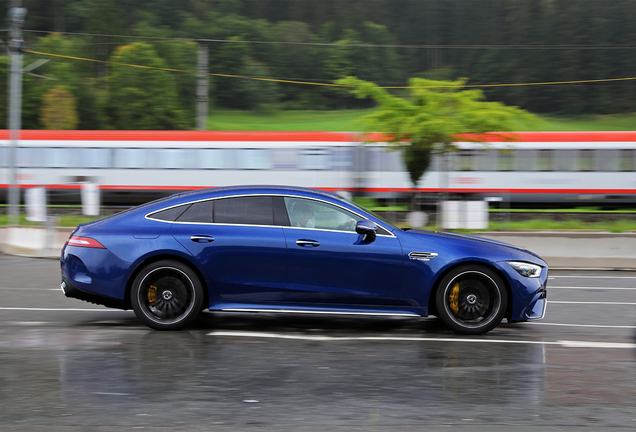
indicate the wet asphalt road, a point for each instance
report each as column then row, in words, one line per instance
column 67, row 365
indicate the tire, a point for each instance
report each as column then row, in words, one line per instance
column 471, row 300
column 167, row 295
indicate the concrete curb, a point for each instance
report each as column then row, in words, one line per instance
column 34, row 242
column 560, row 249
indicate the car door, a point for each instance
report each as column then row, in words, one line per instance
column 330, row 263
column 238, row 242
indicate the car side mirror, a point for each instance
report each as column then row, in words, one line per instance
column 367, row 229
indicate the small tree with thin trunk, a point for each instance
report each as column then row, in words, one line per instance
column 59, row 110
column 430, row 118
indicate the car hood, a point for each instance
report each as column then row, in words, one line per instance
column 420, row 232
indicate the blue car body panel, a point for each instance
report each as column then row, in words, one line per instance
column 256, row 267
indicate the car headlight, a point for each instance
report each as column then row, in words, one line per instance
column 526, row 269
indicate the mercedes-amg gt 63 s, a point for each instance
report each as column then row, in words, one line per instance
column 294, row 250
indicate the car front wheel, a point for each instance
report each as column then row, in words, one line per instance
column 167, row 295
column 471, row 300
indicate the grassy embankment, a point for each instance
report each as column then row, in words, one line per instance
column 348, row 121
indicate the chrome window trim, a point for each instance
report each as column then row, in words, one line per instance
column 148, row 215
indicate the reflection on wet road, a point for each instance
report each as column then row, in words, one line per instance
column 69, row 365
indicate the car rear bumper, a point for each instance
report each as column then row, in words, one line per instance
column 73, row 292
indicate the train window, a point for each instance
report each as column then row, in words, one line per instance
column 374, row 158
column 342, row 159
column 586, row 160
column 545, row 161
column 252, row 210
column 567, row 160
column 486, row 160
column 171, row 158
column 608, row 160
column 59, row 157
column 526, row 160
column 254, row 159
column 628, row 160
column 465, row 160
column 316, row 159
column 95, row 157
column 4, row 157
column 506, row 160
column 210, row 159
column 130, row 158
column 28, row 157
column 436, row 163
column 382, row 159
column 230, row 158
column 285, row 158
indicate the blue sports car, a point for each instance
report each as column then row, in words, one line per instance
column 294, row 250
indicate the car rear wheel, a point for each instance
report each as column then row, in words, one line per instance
column 167, row 295
column 471, row 300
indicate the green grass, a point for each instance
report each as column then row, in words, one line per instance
column 63, row 221
column 617, row 122
column 545, row 224
column 333, row 121
column 348, row 120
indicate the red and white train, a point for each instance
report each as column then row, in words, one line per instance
column 133, row 166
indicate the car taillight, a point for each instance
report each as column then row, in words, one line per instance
column 84, row 242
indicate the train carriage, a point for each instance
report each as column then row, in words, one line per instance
column 133, row 166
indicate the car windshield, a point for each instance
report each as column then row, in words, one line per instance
column 367, row 210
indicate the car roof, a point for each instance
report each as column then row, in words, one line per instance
column 256, row 189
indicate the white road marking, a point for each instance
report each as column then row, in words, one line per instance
column 592, row 302
column 578, row 325
column 592, row 277
column 590, row 288
column 567, row 344
column 62, row 309
column 29, row 289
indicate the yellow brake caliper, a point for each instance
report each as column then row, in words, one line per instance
column 152, row 294
column 453, row 299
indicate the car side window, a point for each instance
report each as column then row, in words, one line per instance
column 169, row 215
column 249, row 210
column 199, row 212
column 314, row 214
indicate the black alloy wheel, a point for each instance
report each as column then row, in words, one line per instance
column 471, row 300
column 167, row 295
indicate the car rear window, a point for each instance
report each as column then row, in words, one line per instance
column 169, row 215
column 200, row 212
column 253, row 210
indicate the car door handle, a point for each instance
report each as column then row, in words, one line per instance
column 307, row 243
column 202, row 238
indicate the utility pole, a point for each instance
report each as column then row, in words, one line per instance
column 202, row 87
column 16, row 19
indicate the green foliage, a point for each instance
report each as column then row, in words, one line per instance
column 59, row 110
column 381, row 41
column 69, row 73
column 142, row 97
column 431, row 117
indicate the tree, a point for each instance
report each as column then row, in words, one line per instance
column 59, row 109
column 142, row 97
column 431, row 118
